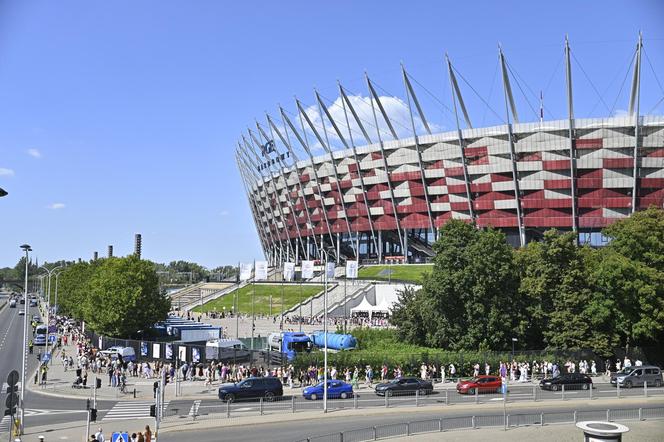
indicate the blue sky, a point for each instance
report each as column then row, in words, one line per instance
column 122, row 117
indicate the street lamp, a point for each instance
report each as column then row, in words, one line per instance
column 325, row 333
column 26, row 248
column 3, row 192
column 513, row 341
column 48, row 301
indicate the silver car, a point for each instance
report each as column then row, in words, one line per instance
column 637, row 376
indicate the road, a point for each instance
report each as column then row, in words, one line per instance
column 40, row 409
column 290, row 430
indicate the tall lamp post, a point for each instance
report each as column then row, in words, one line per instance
column 3, row 192
column 48, row 301
column 26, row 248
column 325, row 333
column 513, row 341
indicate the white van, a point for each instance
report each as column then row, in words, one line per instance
column 127, row 353
column 226, row 350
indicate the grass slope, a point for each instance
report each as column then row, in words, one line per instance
column 293, row 294
column 409, row 272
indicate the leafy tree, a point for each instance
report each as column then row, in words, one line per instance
column 124, row 297
column 470, row 298
column 640, row 237
column 74, row 286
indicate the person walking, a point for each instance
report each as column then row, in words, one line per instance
column 148, row 434
column 99, row 436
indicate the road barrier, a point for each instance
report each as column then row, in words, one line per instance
column 505, row 421
column 368, row 399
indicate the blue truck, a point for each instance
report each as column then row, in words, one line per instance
column 290, row 344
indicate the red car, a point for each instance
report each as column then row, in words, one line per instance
column 481, row 384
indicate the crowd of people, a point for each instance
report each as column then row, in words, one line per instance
column 139, row 436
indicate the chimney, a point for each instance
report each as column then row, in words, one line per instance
column 137, row 245
column 110, row 251
column 95, row 256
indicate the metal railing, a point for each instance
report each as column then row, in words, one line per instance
column 506, row 421
column 368, row 399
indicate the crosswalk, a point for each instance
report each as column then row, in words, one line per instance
column 193, row 411
column 4, row 422
column 130, row 410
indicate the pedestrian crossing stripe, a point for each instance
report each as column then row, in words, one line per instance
column 193, row 411
column 4, row 422
column 130, row 410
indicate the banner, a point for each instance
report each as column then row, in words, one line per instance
column 329, row 270
column 261, row 270
column 156, row 354
column 182, row 353
column 351, row 269
column 245, row 271
column 195, row 355
column 307, row 269
column 289, row 271
column 169, row 351
column 144, row 349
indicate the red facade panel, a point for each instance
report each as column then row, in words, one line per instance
column 589, row 143
column 406, row 176
column 480, row 187
column 565, row 183
column 456, row 188
column 454, row 171
column 471, row 152
column 556, row 165
column 618, row 163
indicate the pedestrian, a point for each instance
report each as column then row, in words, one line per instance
column 133, row 437
column 99, row 436
column 148, row 434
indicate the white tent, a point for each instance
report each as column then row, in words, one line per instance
column 384, row 306
column 364, row 307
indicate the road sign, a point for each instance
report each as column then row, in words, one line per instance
column 51, row 338
column 12, row 400
column 120, row 437
column 11, row 412
column 46, row 357
column 13, row 377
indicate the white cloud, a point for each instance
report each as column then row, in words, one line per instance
column 34, row 153
column 56, row 206
column 395, row 107
column 6, row 172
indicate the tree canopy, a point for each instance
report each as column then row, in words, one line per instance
column 117, row 297
column 552, row 293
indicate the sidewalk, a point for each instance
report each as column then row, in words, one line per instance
column 59, row 383
column 75, row 431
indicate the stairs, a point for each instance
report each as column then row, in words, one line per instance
column 314, row 306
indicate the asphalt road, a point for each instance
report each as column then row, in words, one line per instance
column 300, row 429
column 40, row 409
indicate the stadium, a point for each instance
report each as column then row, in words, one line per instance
column 341, row 178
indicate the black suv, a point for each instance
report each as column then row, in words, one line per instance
column 267, row 387
column 569, row 380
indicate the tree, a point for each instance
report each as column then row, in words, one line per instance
column 116, row 297
column 469, row 301
column 640, row 237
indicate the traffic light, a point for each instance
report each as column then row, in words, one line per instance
column 93, row 415
column 153, row 410
column 87, row 404
column 98, row 383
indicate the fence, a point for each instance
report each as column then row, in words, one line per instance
column 504, row 421
column 367, row 399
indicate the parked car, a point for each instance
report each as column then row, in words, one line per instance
column 267, row 387
column 480, row 384
column 403, row 386
column 21, row 312
column 335, row 389
column 571, row 381
column 637, row 376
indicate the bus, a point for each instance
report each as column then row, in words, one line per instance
column 41, row 333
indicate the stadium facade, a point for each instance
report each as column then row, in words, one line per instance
column 382, row 196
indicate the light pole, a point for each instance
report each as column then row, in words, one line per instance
column 26, row 248
column 3, row 192
column 48, row 302
column 513, row 341
column 325, row 333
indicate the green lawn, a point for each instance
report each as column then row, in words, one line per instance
column 293, row 294
column 402, row 272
